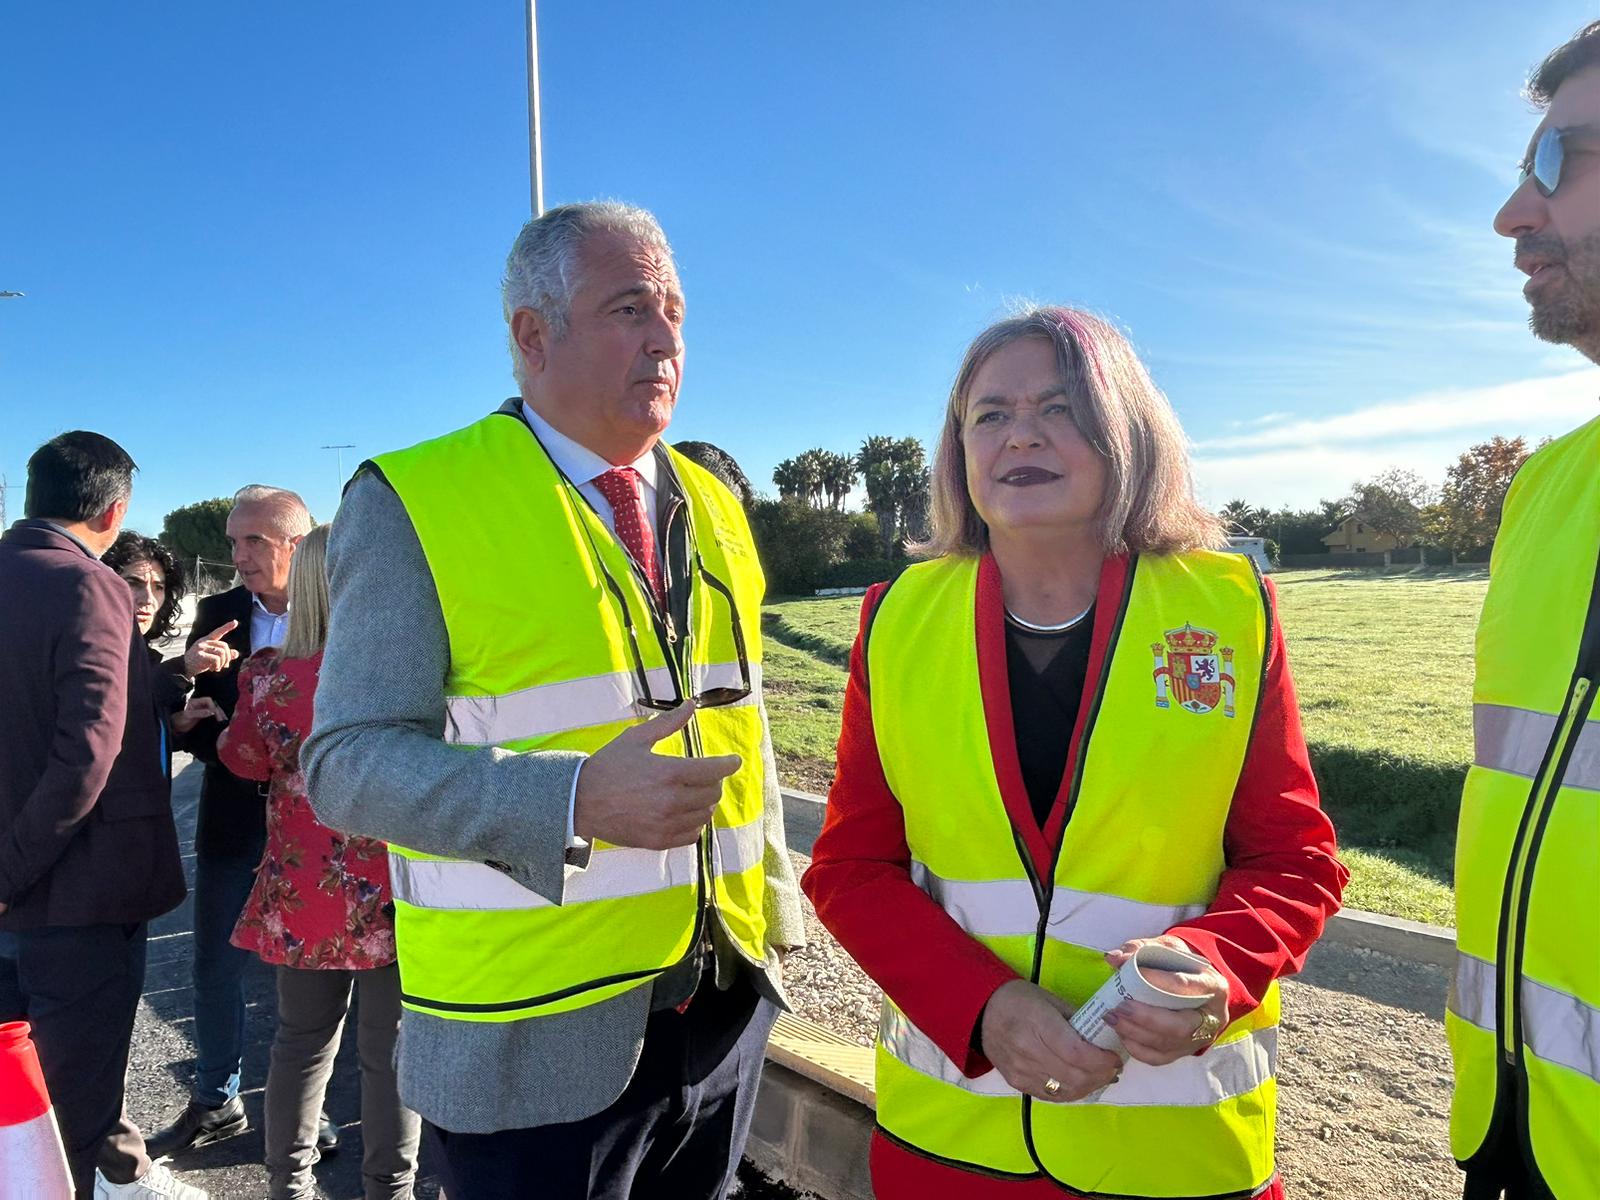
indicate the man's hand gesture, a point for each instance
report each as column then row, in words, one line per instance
column 629, row 795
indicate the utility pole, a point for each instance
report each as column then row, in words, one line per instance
column 535, row 153
column 3, row 486
column 340, row 449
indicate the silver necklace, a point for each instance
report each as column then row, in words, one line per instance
column 1061, row 628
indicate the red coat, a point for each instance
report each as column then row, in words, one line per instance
column 1280, row 884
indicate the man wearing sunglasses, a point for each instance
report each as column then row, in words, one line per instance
column 1524, row 1010
column 541, row 686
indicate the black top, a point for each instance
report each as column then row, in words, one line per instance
column 233, row 812
column 1046, row 673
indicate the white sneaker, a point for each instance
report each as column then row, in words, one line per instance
column 158, row 1183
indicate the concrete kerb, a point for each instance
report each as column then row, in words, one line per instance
column 1411, row 941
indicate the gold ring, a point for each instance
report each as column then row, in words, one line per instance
column 1052, row 1085
column 1210, row 1023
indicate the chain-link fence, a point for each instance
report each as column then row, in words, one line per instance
column 207, row 576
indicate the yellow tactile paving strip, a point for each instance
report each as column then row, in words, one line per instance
column 820, row 1054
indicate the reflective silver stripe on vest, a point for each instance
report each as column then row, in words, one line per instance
column 574, row 704
column 1514, row 740
column 991, row 908
column 1472, row 991
column 612, row 874
column 738, row 849
column 1105, row 922
column 1233, row 1068
column 917, row 1050
column 1007, row 908
column 1560, row 1028
column 1557, row 1026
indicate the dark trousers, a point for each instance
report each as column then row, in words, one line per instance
column 1500, row 1172
column 221, row 887
column 678, row 1129
column 78, row 986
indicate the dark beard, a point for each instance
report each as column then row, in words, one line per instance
column 1569, row 314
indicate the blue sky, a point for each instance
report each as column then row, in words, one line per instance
column 246, row 231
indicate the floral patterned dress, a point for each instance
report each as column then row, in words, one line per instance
column 321, row 898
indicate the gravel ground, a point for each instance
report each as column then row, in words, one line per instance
column 1364, row 1072
column 1365, row 1075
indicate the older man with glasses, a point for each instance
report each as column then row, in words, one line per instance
column 1524, row 1009
column 542, row 688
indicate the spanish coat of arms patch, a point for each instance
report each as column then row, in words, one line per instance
column 1190, row 670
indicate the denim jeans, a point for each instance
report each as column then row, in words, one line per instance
column 221, row 887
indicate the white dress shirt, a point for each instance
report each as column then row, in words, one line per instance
column 266, row 628
column 583, row 466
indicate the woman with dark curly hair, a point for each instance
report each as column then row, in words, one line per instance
column 158, row 585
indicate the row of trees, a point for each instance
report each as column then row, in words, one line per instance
column 893, row 471
column 1460, row 517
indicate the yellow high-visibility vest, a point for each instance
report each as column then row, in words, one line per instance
column 540, row 659
column 1168, row 725
column 1524, row 1011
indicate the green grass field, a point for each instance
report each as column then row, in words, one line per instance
column 1382, row 662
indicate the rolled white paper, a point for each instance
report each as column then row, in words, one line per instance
column 1129, row 983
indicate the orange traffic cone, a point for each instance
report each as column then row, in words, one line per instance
column 33, row 1164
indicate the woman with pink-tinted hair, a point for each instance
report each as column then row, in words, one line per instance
column 1070, row 737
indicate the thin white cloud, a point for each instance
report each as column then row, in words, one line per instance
column 1560, row 400
column 1271, row 418
column 1307, row 460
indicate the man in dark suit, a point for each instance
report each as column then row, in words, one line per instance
column 264, row 527
column 88, row 851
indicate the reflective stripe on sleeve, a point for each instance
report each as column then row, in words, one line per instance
column 574, row 704
column 1233, row 1068
column 1007, row 908
column 1514, row 740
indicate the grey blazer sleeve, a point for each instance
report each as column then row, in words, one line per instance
column 376, row 762
column 786, row 923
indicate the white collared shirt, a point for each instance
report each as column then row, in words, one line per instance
column 583, row 466
column 266, row 628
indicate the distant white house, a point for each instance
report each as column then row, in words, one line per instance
column 1255, row 547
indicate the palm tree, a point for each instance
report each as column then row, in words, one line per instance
column 790, row 478
column 1241, row 518
column 875, row 461
column 910, row 489
column 813, row 463
column 838, row 478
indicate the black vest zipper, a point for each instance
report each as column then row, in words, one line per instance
column 1511, row 1078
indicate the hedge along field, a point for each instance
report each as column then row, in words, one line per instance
column 1382, row 662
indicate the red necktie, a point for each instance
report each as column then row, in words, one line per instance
column 624, row 491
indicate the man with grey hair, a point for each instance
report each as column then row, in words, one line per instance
column 541, row 686
column 264, row 526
